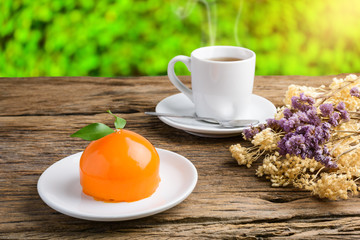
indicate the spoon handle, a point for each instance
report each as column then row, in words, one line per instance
column 180, row 116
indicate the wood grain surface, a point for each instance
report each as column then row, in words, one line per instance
column 38, row 115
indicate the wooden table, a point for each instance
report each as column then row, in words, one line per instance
column 38, row 115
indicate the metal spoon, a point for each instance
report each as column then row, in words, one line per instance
column 223, row 123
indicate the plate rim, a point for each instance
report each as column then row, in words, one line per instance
column 131, row 216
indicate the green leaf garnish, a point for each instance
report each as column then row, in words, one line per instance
column 96, row 131
column 119, row 122
column 93, row 132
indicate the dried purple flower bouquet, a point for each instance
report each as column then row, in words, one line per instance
column 313, row 141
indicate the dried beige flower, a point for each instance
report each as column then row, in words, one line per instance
column 267, row 140
column 243, row 155
column 334, row 186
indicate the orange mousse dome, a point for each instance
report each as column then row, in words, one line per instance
column 120, row 167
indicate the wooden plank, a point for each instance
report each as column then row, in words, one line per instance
column 38, row 115
column 91, row 95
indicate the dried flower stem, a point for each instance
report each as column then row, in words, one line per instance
column 344, row 137
column 315, row 176
column 328, row 95
column 346, row 131
column 336, row 145
column 347, row 151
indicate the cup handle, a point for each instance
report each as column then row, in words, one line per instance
column 175, row 80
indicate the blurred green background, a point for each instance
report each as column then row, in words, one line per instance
column 139, row 37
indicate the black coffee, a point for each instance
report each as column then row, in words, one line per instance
column 225, row 59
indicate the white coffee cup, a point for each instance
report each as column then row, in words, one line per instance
column 220, row 89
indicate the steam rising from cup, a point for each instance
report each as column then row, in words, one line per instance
column 211, row 15
column 210, row 6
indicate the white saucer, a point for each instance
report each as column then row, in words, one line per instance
column 59, row 187
column 260, row 108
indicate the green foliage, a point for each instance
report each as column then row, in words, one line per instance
column 129, row 38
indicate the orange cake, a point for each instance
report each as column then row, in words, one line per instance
column 120, row 167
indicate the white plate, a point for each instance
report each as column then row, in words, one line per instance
column 260, row 108
column 59, row 187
